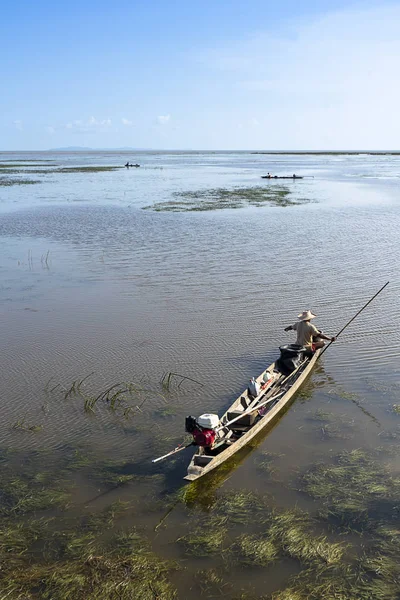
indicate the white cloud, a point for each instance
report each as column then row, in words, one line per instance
column 126, row 122
column 50, row 130
column 163, row 119
column 90, row 125
column 18, row 125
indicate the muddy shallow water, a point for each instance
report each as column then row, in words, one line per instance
column 94, row 286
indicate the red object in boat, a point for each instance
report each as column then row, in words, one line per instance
column 204, row 437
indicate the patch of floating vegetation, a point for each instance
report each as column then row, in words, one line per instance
column 8, row 166
column 220, row 198
column 87, row 169
column 69, row 556
column 10, row 181
column 396, row 409
column 26, row 160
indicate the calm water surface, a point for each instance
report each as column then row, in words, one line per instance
column 92, row 284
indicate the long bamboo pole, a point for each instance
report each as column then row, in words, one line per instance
column 352, row 319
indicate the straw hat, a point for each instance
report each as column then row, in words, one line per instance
column 306, row 315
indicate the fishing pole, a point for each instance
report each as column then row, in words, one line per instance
column 352, row 319
column 175, row 451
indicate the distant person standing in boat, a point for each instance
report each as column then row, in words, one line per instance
column 307, row 334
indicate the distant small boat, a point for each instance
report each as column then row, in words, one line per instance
column 281, row 177
column 129, row 165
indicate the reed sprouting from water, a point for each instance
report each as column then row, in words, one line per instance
column 168, row 378
column 122, row 398
column 22, row 425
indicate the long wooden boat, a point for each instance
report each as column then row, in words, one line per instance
column 282, row 177
column 279, row 390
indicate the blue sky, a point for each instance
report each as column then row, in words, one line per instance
column 205, row 75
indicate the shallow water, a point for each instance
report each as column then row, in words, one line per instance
column 93, row 284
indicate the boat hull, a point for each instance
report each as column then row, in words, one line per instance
column 195, row 472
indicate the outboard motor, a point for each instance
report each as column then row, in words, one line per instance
column 292, row 355
column 202, row 429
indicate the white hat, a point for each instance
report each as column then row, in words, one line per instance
column 306, row 315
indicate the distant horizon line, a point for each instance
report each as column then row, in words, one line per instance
column 84, row 149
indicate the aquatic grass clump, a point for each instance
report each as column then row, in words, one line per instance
column 341, row 582
column 22, row 496
column 330, row 426
column 137, row 575
column 243, row 507
column 211, row 583
column 353, row 489
column 70, row 556
column 207, row 538
column 292, row 529
column 255, row 550
column 266, row 462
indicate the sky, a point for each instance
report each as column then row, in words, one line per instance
column 210, row 75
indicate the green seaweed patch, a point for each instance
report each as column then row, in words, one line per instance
column 396, row 408
column 222, row 198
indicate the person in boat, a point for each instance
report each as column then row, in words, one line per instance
column 269, row 175
column 127, row 165
column 307, row 334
